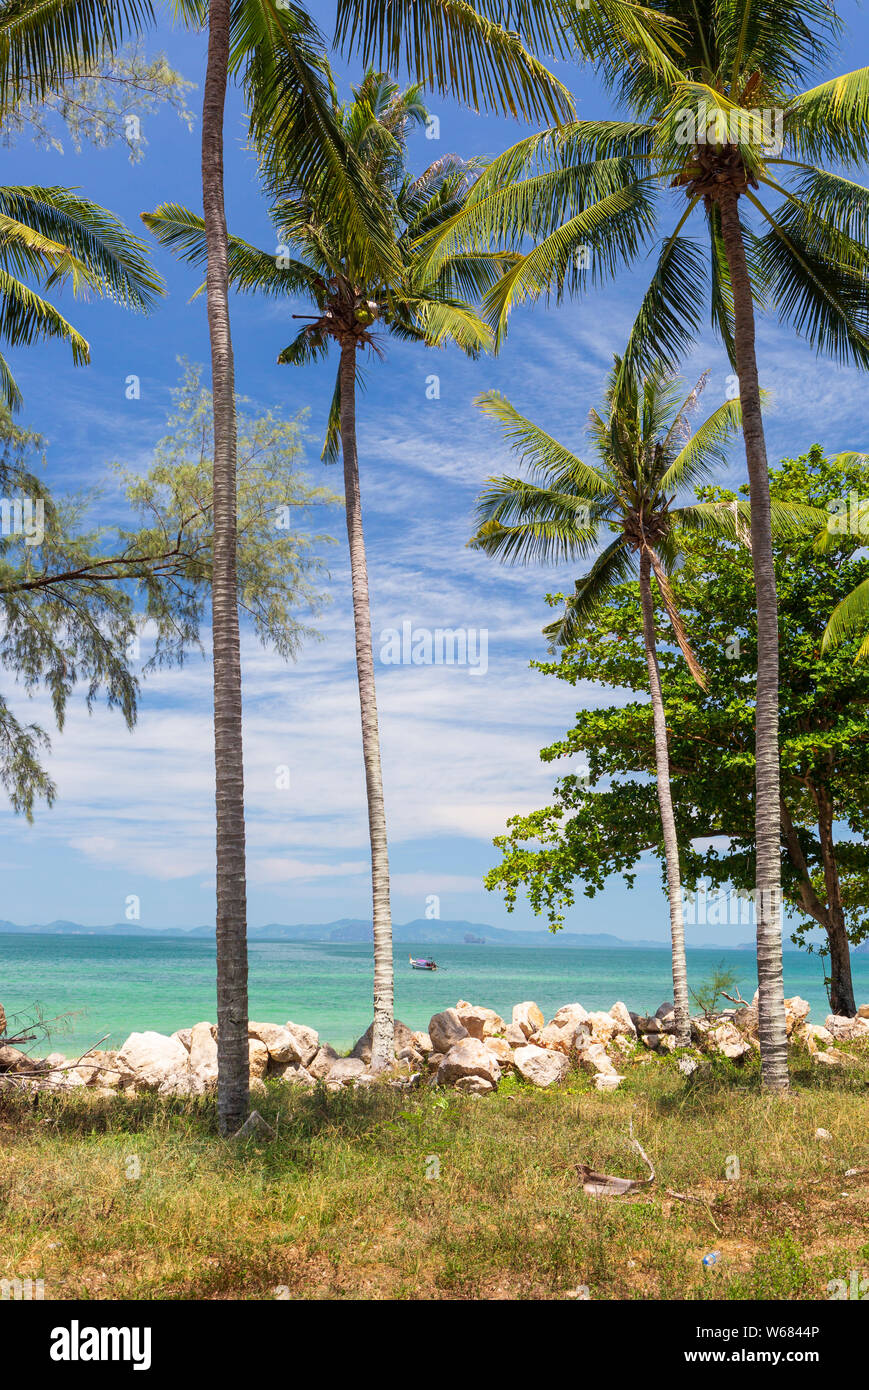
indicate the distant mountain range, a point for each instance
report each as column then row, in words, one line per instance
column 421, row 931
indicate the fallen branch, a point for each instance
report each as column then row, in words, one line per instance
column 606, row 1185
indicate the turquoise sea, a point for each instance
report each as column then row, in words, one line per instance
column 118, row 986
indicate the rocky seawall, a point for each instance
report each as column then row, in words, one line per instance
column 469, row 1048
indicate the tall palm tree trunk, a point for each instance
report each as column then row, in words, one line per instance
column 665, row 801
column 232, row 1014
column 770, row 978
column 383, row 1039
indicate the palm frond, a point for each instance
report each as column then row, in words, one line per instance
column 275, row 275
column 850, row 616
column 590, row 246
column 831, row 121
column 826, row 301
column 102, row 253
column 671, row 310
column 27, row 318
column 538, row 451
column 706, row 449
column 455, row 46
column 615, row 565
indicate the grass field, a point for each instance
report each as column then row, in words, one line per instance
column 112, row 1198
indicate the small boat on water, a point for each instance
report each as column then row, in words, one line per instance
column 422, row 963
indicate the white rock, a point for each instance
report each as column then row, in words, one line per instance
column 294, row 1075
column 502, row 1050
column 528, row 1017
column 797, row 1011
column 823, row 1134
column 621, row 1017
column 569, row 1017
column 602, row 1027
column 402, row 1038
column 203, row 1054
column 727, row 1039
column 279, row 1042
column 847, row 1029
column 474, row 1085
column 469, row 1057
column 422, row 1042
column 834, row 1058
column 863, row 1011
column 152, row 1058
column 539, row 1065
column 554, row 1038
column 322, row 1063
column 307, row 1041
column 445, row 1030
column 818, row 1032
column 183, row 1082
column 514, row 1036
column 345, row 1071
column 258, row 1058
column 595, row 1059
column 183, row 1036
column 255, row 1127
column 479, row 1021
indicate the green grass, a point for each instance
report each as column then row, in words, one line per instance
column 338, row 1206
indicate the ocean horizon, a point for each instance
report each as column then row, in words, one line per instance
column 93, row 985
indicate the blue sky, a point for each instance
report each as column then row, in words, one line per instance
column 135, row 811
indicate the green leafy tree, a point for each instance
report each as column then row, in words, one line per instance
column 591, row 832
column 768, row 220
column 76, row 597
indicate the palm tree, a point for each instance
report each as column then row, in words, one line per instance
column 232, row 1007
column 706, row 127
column 647, row 454
column 353, row 296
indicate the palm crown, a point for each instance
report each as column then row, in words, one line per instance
column 344, row 276
column 647, row 455
column 591, row 194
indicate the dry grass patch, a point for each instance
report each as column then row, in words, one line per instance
column 108, row 1198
